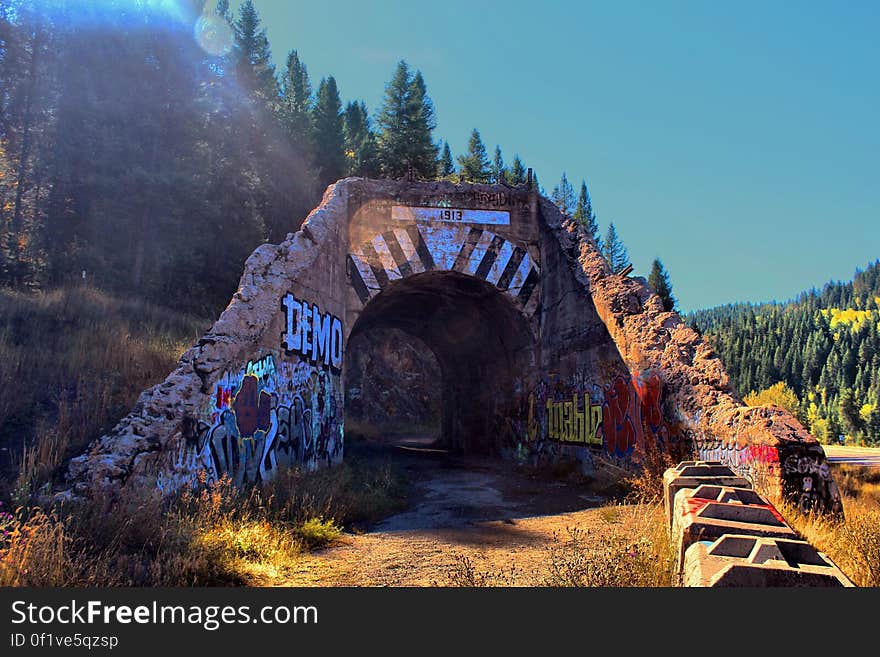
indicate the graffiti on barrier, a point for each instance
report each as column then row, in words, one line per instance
column 808, row 479
column 745, row 459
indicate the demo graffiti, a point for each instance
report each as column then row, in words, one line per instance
column 311, row 334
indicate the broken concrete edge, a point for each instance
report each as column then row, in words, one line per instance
column 162, row 419
column 768, row 445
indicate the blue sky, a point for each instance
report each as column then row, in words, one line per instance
column 739, row 142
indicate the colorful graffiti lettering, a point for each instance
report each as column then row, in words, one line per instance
column 620, row 426
column 567, row 424
column 318, row 337
column 224, row 397
column 624, row 414
column 649, row 389
column 261, row 368
column 745, row 459
column 267, row 418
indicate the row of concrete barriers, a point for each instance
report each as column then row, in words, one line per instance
column 726, row 534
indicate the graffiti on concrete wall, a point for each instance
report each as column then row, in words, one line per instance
column 808, row 479
column 271, row 416
column 617, row 417
column 745, row 459
column 569, row 422
column 282, row 409
column 311, row 334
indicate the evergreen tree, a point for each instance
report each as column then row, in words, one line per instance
column 849, row 413
column 584, row 213
column 659, row 280
column 297, row 101
column 447, row 164
column 475, row 166
column 328, row 133
column 499, row 172
column 517, row 174
column 360, row 142
column 222, row 10
column 535, row 182
column 614, row 250
column 563, row 196
column 421, row 121
column 406, row 122
column 253, row 66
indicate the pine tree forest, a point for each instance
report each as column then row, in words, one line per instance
column 819, row 352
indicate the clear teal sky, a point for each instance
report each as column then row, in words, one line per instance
column 738, row 141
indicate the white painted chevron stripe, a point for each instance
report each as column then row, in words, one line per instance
column 409, row 251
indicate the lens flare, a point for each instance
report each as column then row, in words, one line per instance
column 213, row 34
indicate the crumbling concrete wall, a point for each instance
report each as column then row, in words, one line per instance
column 545, row 355
column 253, row 394
column 696, row 400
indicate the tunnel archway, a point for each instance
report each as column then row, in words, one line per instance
column 481, row 339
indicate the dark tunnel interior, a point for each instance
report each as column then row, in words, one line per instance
column 482, row 343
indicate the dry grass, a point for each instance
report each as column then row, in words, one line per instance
column 74, row 361
column 219, row 535
column 466, row 573
column 631, row 548
column 645, row 486
column 854, row 542
column 615, row 556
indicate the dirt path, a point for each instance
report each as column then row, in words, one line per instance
column 465, row 518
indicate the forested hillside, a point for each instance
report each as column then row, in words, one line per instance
column 818, row 355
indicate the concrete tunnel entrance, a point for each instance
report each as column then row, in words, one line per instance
column 482, row 343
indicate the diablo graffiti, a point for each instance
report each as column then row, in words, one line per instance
column 620, row 428
column 266, row 417
column 567, row 424
column 618, row 416
column 632, row 414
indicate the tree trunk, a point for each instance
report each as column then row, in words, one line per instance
column 28, row 120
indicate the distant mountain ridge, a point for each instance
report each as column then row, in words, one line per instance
column 824, row 346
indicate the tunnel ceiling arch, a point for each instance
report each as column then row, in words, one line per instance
column 418, row 247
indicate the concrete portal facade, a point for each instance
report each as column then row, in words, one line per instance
column 545, row 354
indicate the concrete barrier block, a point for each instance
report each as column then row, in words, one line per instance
column 700, row 516
column 740, row 560
column 692, row 474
